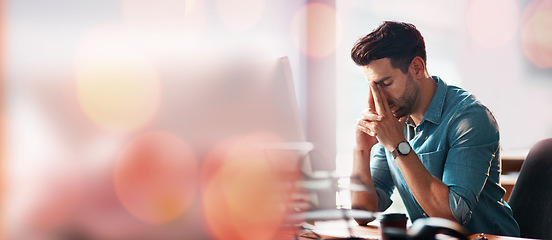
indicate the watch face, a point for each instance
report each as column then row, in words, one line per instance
column 403, row 148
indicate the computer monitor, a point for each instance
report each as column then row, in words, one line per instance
column 234, row 98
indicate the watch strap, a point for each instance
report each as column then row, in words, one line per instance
column 396, row 151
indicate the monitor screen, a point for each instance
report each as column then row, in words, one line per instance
column 232, row 99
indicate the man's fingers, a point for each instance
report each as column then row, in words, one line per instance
column 378, row 101
column 367, row 131
column 368, row 115
column 383, row 97
column 362, row 126
column 370, row 100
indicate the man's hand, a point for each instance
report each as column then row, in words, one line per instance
column 378, row 124
column 365, row 137
column 370, row 129
column 378, row 120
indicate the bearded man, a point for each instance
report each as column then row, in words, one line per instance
column 435, row 143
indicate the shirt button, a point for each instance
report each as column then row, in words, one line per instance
column 424, row 214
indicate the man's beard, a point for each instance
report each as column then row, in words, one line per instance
column 405, row 104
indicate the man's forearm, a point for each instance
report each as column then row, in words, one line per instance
column 430, row 192
column 367, row 200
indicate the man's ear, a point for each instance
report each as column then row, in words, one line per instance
column 419, row 66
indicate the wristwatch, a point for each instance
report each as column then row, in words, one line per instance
column 403, row 148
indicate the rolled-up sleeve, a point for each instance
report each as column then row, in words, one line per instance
column 381, row 177
column 474, row 140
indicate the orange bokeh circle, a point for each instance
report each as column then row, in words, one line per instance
column 244, row 193
column 536, row 37
column 155, row 177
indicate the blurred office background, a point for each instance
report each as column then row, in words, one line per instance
column 81, row 80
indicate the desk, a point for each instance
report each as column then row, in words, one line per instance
column 339, row 230
column 512, row 160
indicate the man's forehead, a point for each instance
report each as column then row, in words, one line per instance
column 377, row 69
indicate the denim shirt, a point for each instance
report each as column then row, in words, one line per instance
column 458, row 142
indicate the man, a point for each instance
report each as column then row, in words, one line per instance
column 435, row 143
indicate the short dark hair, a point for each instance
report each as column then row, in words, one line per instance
column 400, row 42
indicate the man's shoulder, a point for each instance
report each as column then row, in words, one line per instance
column 466, row 112
column 459, row 95
column 459, row 99
column 467, row 120
column 463, row 107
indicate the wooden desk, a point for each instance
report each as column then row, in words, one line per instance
column 339, row 230
column 512, row 160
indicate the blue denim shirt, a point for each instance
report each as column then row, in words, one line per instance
column 457, row 142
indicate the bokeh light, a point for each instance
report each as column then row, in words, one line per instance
column 319, row 30
column 536, row 36
column 54, row 196
column 118, row 85
column 240, row 15
column 244, row 193
column 155, row 177
column 165, row 25
column 492, row 23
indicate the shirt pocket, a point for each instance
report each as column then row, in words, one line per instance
column 434, row 162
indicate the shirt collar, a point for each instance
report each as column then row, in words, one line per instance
column 435, row 109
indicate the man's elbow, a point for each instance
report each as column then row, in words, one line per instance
column 363, row 201
column 460, row 209
column 362, row 222
column 366, row 205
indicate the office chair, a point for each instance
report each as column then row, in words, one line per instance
column 531, row 198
